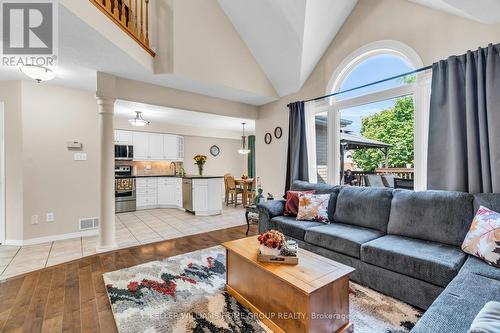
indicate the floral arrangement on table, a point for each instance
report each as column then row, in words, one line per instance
column 271, row 242
column 200, row 161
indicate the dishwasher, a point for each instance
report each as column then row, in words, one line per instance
column 187, row 194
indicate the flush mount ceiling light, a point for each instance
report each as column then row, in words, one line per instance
column 244, row 148
column 38, row 73
column 138, row 120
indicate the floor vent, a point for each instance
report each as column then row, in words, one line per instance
column 89, row 223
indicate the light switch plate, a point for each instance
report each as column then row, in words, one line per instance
column 80, row 156
column 50, row 217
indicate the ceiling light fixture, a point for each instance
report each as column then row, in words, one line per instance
column 244, row 148
column 138, row 120
column 38, row 73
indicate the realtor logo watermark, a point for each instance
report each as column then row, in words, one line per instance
column 29, row 32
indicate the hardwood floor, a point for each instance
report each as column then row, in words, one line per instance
column 71, row 297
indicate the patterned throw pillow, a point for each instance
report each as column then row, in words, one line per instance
column 483, row 239
column 292, row 202
column 313, row 207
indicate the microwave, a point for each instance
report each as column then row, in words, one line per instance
column 124, row 152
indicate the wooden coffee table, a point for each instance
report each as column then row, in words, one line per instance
column 312, row 296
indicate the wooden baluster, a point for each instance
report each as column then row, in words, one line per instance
column 142, row 22
column 147, row 23
column 135, row 18
column 129, row 22
column 123, row 16
column 113, row 7
column 108, row 5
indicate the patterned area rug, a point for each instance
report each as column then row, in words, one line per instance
column 186, row 294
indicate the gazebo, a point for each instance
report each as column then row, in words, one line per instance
column 351, row 141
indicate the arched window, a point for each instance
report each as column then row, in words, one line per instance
column 373, row 130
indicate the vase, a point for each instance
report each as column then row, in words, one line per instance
column 269, row 251
column 200, row 169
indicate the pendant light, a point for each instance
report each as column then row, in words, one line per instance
column 138, row 120
column 244, row 147
column 38, row 73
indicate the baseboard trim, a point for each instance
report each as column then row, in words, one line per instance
column 52, row 238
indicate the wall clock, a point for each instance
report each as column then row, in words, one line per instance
column 278, row 132
column 268, row 138
column 214, row 150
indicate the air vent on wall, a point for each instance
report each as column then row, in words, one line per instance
column 89, row 223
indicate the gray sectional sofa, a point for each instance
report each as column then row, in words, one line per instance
column 402, row 243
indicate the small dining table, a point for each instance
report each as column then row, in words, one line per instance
column 245, row 184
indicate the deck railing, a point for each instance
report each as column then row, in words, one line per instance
column 132, row 16
column 404, row 173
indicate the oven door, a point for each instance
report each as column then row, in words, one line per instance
column 124, row 189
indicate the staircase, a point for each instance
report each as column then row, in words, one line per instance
column 132, row 16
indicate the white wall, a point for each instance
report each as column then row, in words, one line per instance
column 432, row 34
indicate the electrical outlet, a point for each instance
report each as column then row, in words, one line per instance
column 50, row 217
column 34, row 219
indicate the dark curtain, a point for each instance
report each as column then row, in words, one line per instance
column 251, row 156
column 297, row 164
column 464, row 123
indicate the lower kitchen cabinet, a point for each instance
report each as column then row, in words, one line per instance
column 158, row 192
column 207, row 194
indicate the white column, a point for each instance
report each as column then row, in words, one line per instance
column 107, row 238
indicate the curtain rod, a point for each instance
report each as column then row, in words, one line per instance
column 368, row 84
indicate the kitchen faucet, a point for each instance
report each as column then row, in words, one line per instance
column 174, row 167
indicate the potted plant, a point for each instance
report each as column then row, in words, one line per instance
column 200, row 160
column 271, row 242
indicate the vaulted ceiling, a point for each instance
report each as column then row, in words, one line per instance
column 484, row 11
column 287, row 38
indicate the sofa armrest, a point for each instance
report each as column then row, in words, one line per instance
column 268, row 210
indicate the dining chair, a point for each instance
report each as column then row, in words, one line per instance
column 232, row 190
column 252, row 191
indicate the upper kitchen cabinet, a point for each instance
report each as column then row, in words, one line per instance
column 156, row 151
column 124, row 137
column 152, row 146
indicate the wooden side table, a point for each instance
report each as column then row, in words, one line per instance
column 250, row 209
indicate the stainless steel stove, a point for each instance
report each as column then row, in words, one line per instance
column 125, row 199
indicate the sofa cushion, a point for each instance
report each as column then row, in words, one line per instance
column 364, row 206
column 343, row 238
column 439, row 216
column 477, row 266
column 457, row 306
column 320, row 188
column 432, row 262
column 488, row 200
column 291, row 227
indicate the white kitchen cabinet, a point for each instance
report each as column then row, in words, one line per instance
column 169, row 192
column 153, row 146
column 207, row 196
column 180, row 148
column 170, row 147
column 156, row 146
column 124, row 137
column 141, row 146
column 158, row 192
column 146, row 193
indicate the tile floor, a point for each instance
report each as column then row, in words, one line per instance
column 141, row 227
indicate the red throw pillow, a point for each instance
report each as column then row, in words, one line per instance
column 292, row 202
